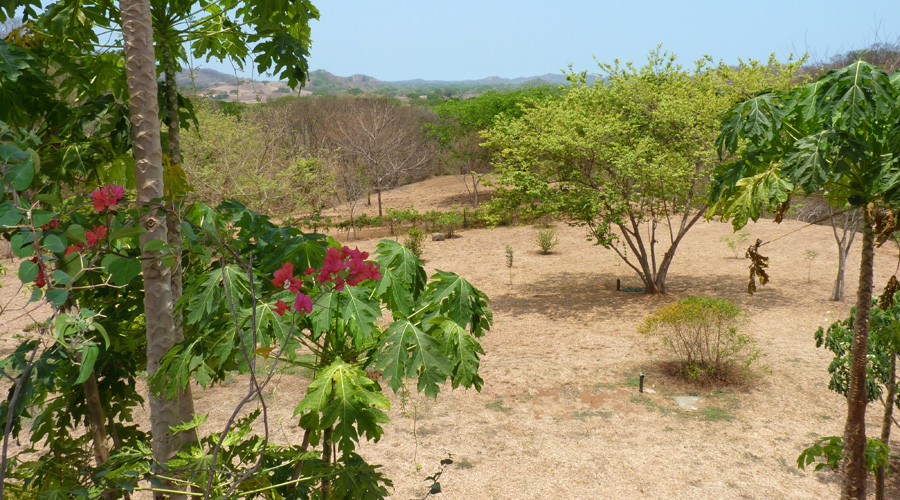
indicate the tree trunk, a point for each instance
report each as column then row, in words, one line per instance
column 379, row 203
column 97, row 418
column 173, row 226
column 849, row 223
column 886, row 423
column 837, row 294
column 854, row 463
column 140, row 69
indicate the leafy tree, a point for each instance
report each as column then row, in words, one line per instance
column 631, row 152
column 461, row 122
column 840, row 135
column 881, row 366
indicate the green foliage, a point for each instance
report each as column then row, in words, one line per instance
column 633, row 152
column 884, row 342
column 837, row 134
column 545, row 237
column 702, row 334
column 447, row 222
column 828, row 451
column 415, row 241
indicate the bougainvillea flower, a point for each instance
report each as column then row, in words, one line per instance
column 107, row 197
column 303, row 303
column 284, row 278
column 95, row 236
column 281, row 307
column 76, row 248
column 40, row 280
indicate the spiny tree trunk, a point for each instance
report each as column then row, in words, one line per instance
column 140, row 69
column 854, row 464
column 886, row 423
column 173, row 222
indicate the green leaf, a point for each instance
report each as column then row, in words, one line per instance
column 154, row 245
column 346, row 399
column 18, row 169
column 76, row 232
column 127, row 232
column 21, row 244
column 61, row 277
column 121, row 269
column 463, row 351
column 12, row 61
column 406, row 267
column 41, row 217
column 808, row 165
column 360, row 314
column 28, row 271
column 57, row 296
column 88, row 358
column 408, row 351
column 54, row 244
column 394, row 293
column 195, row 422
column 9, row 214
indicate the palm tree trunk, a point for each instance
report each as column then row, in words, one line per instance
column 854, row 464
column 140, row 69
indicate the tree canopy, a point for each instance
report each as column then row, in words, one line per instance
column 840, row 136
column 628, row 157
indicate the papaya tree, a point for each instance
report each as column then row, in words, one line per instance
column 881, row 378
column 839, row 135
column 627, row 157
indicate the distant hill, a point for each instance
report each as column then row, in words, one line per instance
column 223, row 86
column 204, row 78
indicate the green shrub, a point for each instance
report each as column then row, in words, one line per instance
column 702, row 333
column 447, row 222
column 415, row 240
column 545, row 237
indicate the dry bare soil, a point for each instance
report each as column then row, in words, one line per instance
column 560, row 415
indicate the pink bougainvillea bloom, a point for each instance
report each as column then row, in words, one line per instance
column 107, row 197
column 303, row 303
column 95, row 236
column 40, row 280
column 76, row 248
column 284, row 278
column 281, row 307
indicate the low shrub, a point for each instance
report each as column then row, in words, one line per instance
column 702, row 333
column 415, row 241
column 545, row 237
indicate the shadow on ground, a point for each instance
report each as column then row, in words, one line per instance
column 566, row 293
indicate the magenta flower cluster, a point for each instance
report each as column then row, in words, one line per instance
column 342, row 267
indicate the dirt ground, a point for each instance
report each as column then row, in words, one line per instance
column 560, row 415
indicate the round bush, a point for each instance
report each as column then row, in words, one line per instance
column 702, row 334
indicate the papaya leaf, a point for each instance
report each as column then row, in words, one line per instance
column 408, row 351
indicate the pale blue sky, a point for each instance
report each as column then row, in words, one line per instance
column 465, row 39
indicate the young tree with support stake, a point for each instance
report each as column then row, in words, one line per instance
column 840, row 134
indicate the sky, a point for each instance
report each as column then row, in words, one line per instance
column 395, row 40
